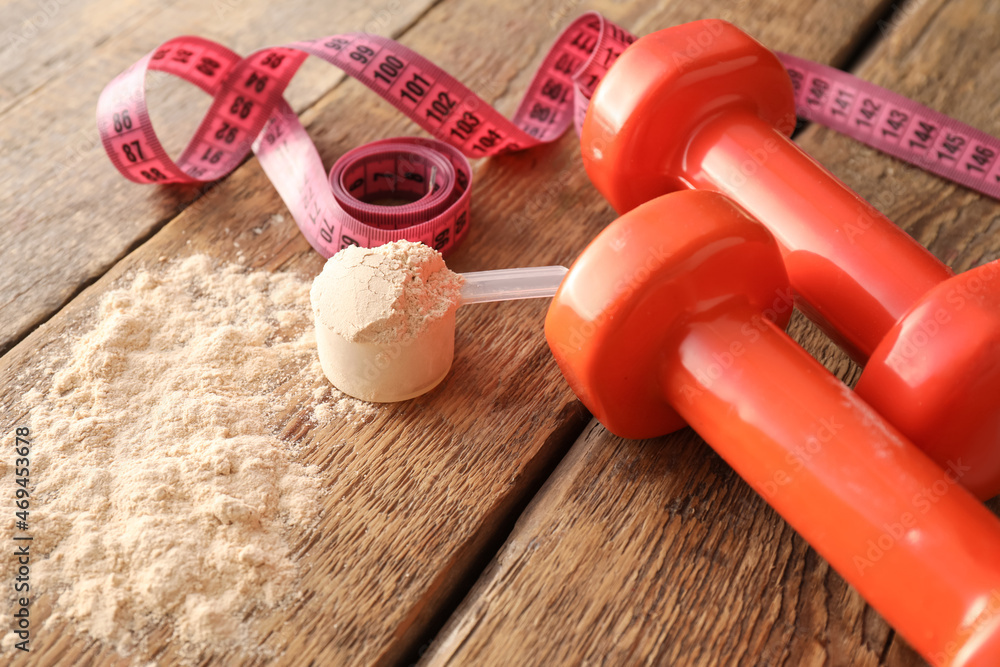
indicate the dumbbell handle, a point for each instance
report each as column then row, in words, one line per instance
column 900, row 529
column 858, row 270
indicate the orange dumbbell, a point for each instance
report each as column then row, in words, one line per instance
column 661, row 322
column 715, row 116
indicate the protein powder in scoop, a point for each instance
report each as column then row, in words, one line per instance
column 385, row 320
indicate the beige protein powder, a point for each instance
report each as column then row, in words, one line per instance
column 385, row 320
column 168, row 504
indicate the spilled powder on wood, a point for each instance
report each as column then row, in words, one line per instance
column 165, row 497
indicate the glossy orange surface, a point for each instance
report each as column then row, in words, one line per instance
column 670, row 315
column 668, row 116
column 937, row 373
column 601, row 305
column 856, row 272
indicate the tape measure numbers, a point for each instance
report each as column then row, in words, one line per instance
column 248, row 113
column 895, row 125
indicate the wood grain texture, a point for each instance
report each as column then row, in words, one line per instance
column 67, row 214
column 655, row 552
column 415, row 496
column 634, row 551
column 418, row 495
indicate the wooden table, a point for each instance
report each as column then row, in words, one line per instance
column 512, row 528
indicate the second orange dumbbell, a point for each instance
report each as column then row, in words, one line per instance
column 716, row 118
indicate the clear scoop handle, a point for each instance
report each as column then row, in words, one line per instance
column 530, row 282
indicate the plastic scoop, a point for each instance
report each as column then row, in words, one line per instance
column 397, row 372
column 532, row 282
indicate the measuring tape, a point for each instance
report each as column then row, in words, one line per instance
column 895, row 125
column 432, row 176
column 249, row 113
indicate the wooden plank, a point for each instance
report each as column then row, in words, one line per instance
column 655, row 552
column 43, row 39
column 489, row 442
column 68, row 215
column 487, row 438
column 664, row 557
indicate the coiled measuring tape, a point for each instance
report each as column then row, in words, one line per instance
column 249, row 113
column 432, row 176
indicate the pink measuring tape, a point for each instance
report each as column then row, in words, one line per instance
column 895, row 125
column 249, row 112
column 433, row 175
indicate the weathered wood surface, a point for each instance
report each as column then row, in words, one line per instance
column 655, row 552
column 456, row 469
column 634, row 550
column 67, row 215
column 462, row 466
